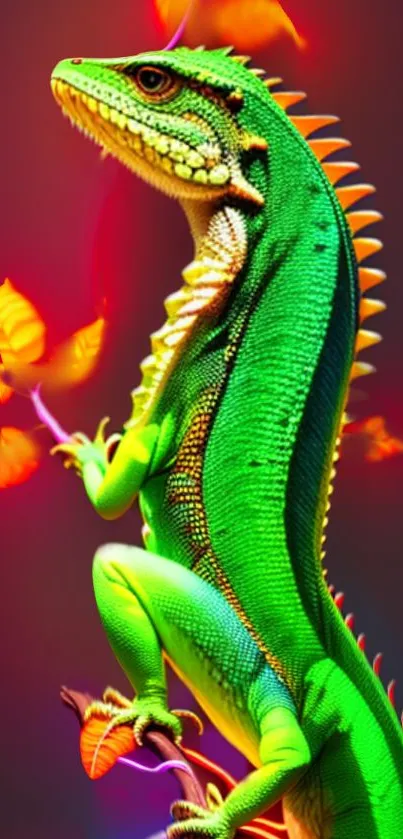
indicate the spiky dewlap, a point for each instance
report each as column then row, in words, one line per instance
column 100, row 749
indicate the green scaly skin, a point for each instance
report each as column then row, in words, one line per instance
column 230, row 449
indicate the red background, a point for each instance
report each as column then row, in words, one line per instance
column 74, row 229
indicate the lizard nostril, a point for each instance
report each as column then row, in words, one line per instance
column 76, row 60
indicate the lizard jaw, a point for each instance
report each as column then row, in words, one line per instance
column 168, row 164
column 143, row 150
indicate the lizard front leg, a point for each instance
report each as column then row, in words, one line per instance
column 111, row 486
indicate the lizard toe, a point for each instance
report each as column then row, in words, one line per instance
column 114, row 697
column 181, row 810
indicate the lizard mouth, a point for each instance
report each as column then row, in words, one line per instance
column 167, row 163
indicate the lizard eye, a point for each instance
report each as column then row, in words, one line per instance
column 153, row 80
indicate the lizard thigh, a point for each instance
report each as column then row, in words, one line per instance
column 192, row 619
column 197, row 629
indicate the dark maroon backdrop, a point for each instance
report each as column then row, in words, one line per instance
column 74, row 229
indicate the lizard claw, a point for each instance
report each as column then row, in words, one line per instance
column 79, row 449
column 114, row 697
column 181, row 810
column 100, row 432
column 110, row 444
column 195, row 822
column 140, row 727
column 80, row 437
column 192, row 717
column 214, row 798
column 101, row 710
column 70, row 450
column 162, row 720
column 106, row 444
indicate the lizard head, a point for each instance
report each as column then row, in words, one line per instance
column 172, row 117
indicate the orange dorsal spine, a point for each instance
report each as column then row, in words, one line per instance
column 357, row 220
column 336, row 171
column 285, row 100
column 362, row 218
column 325, row 146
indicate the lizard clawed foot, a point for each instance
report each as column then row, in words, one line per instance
column 80, row 450
column 141, row 713
column 194, row 821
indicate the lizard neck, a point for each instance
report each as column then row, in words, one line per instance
column 199, row 215
column 221, row 248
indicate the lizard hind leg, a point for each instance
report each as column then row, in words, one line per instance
column 149, row 605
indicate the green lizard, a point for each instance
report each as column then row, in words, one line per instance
column 231, row 444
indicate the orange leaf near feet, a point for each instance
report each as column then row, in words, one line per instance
column 100, row 750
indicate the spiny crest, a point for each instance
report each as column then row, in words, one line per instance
column 336, row 171
column 349, row 621
column 349, row 195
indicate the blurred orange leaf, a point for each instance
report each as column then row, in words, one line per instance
column 22, row 345
column 70, row 364
column 19, row 456
column 245, row 24
column 22, row 349
column 75, row 360
column 6, row 391
column 380, row 444
column 22, row 331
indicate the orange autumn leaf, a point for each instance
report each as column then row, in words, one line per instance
column 22, row 331
column 380, row 444
column 100, row 751
column 75, row 360
column 19, row 456
column 70, row 364
column 6, row 391
column 245, row 24
column 22, row 345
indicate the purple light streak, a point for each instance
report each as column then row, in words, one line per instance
column 181, row 28
column 44, row 415
column 162, row 767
